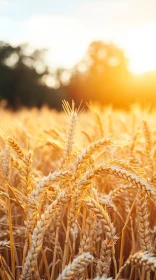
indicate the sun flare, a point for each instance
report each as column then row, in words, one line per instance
column 140, row 46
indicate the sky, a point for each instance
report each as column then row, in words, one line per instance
column 66, row 27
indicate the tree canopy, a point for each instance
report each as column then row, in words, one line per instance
column 21, row 78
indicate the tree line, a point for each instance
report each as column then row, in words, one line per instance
column 102, row 75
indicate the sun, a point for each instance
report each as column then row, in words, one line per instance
column 140, row 48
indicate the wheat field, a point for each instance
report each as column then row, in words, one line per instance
column 77, row 194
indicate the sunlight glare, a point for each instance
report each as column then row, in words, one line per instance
column 140, row 48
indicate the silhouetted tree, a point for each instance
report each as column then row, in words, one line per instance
column 102, row 75
column 21, row 78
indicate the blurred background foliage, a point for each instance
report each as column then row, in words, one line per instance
column 102, row 75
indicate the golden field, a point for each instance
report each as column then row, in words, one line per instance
column 77, row 194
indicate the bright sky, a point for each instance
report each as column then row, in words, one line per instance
column 67, row 27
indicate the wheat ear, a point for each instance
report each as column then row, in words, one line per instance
column 103, row 216
column 144, row 259
column 88, row 152
column 143, row 221
column 87, row 235
column 70, row 133
column 40, row 190
column 117, row 192
column 5, row 164
column 77, row 266
column 12, row 142
column 103, row 264
column 127, row 175
column 148, row 139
